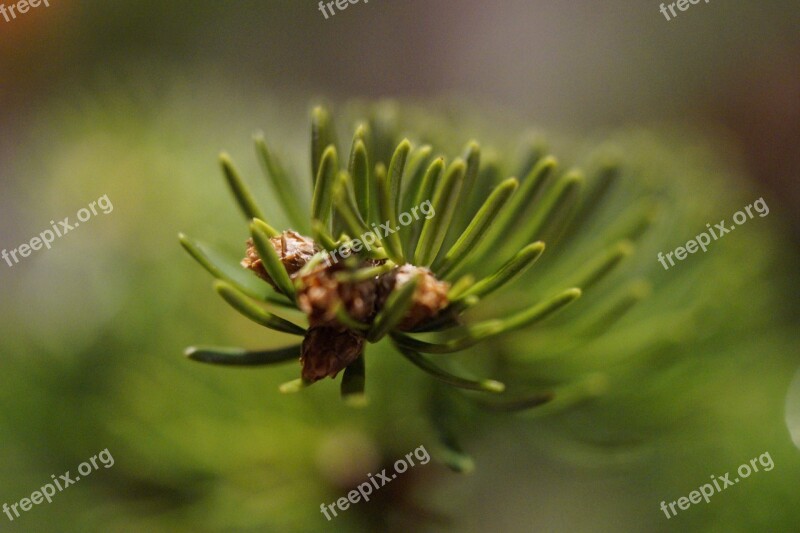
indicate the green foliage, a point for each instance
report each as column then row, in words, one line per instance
column 594, row 224
column 659, row 378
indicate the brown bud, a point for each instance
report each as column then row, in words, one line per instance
column 330, row 346
column 430, row 296
column 294, row 249
column 328, row 350
column 320, row 293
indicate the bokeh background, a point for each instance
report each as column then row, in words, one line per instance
column 135, row 99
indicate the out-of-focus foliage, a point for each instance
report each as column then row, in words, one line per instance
column 689, row 383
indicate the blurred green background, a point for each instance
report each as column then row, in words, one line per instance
column 135, row 99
